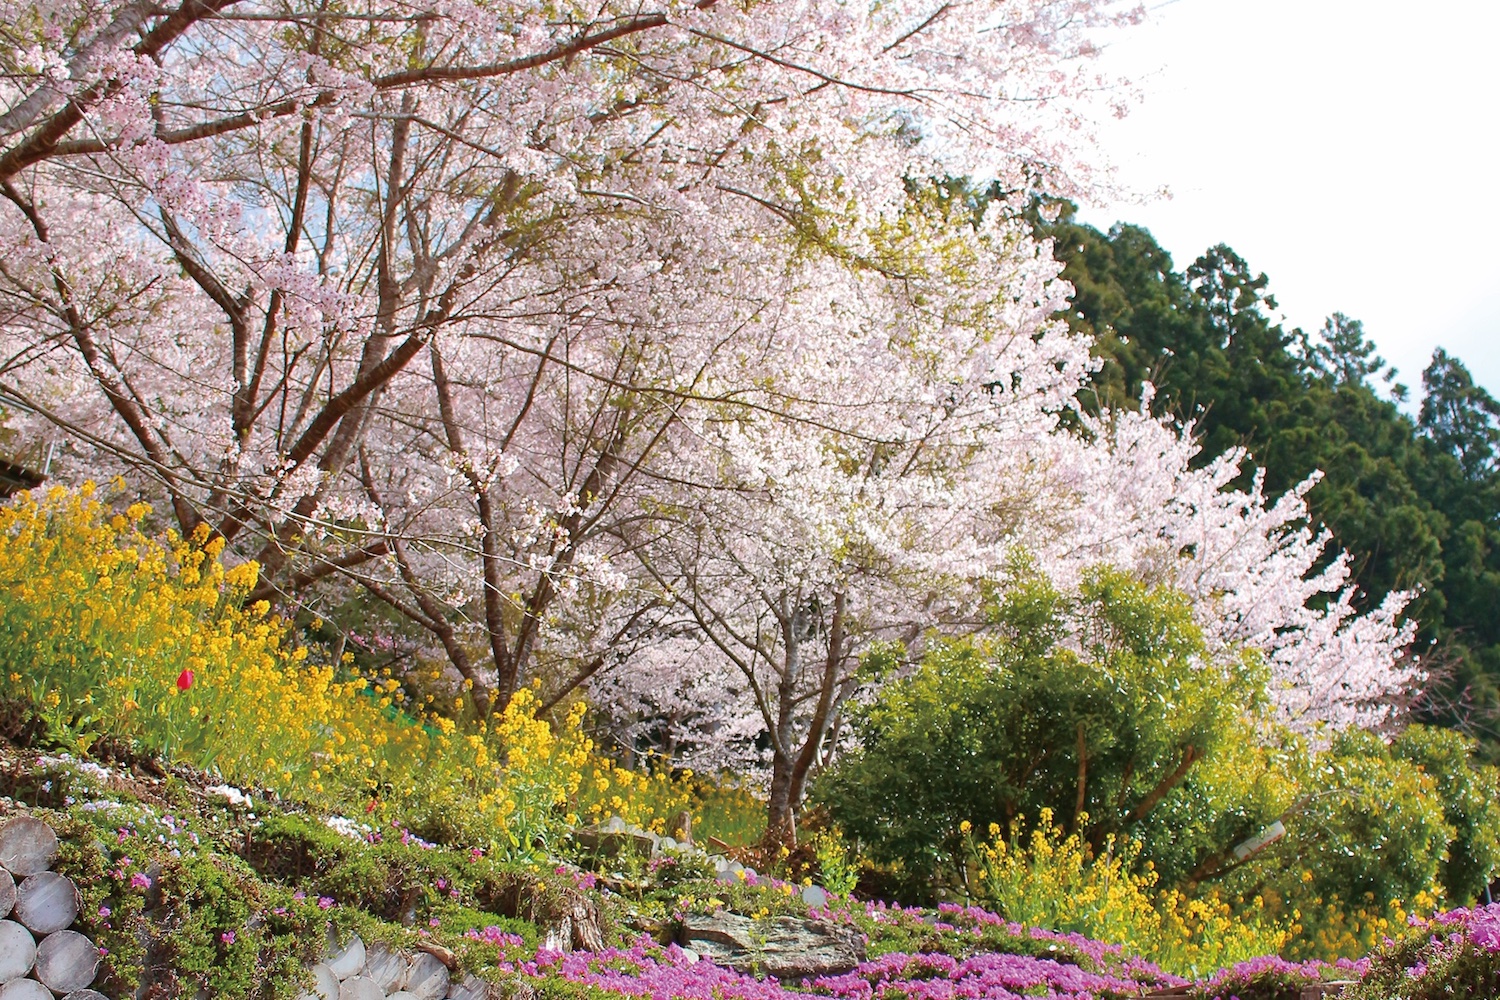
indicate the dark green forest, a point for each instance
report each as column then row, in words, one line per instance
column 1415, row 498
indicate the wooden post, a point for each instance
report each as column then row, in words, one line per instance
column 66, row 961
column 47, row 902
column 27, row 846
column 17, row 951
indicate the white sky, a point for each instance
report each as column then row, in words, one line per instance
column 1347, row 148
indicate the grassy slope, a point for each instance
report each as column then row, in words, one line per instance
column 196, row 890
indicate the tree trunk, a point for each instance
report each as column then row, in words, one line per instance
column 781, row 810
column 794, row 761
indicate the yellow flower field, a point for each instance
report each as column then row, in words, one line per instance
column 147, row 641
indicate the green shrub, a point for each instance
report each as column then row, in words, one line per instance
column 1470, row 796
column 1106, row 708
column 1365, row 842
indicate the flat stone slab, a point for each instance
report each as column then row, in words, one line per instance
column 784, row 947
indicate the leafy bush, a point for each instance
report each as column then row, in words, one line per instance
column 1370, row 825
column 1470, row 796
column 1365, row 846
column 1106, row 709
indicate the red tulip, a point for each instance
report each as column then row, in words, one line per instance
column 184, row 680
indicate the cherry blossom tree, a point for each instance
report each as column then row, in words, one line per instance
column 830, row 550
column 885, row 484
column 1257, row 572
column 619, row 343
column 411, row 295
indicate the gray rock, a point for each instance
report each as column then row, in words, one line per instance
column 814, row 896
column 427, row 977
column 386, row 967
column 784, row 947
column 471, row 988
column 609, row 842
column 346, row 960
column 360, row 988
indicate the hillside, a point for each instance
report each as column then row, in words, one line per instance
column 188, row 886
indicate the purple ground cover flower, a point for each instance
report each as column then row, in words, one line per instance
column 1256, row 974
column 987, row 976
column 651, row 972
column 1481, row 924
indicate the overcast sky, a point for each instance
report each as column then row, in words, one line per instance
column 1347, row 148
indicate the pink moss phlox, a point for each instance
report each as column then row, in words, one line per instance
column 651, row 972
column 1481, row 925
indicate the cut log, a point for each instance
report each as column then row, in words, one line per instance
column 27, row 846
column 85, row 995
column 47, row 902
column 438, row 952
column 7, row 893
column 17, row 951
column 24, row 989
column 474, row 988
column 66, row 961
